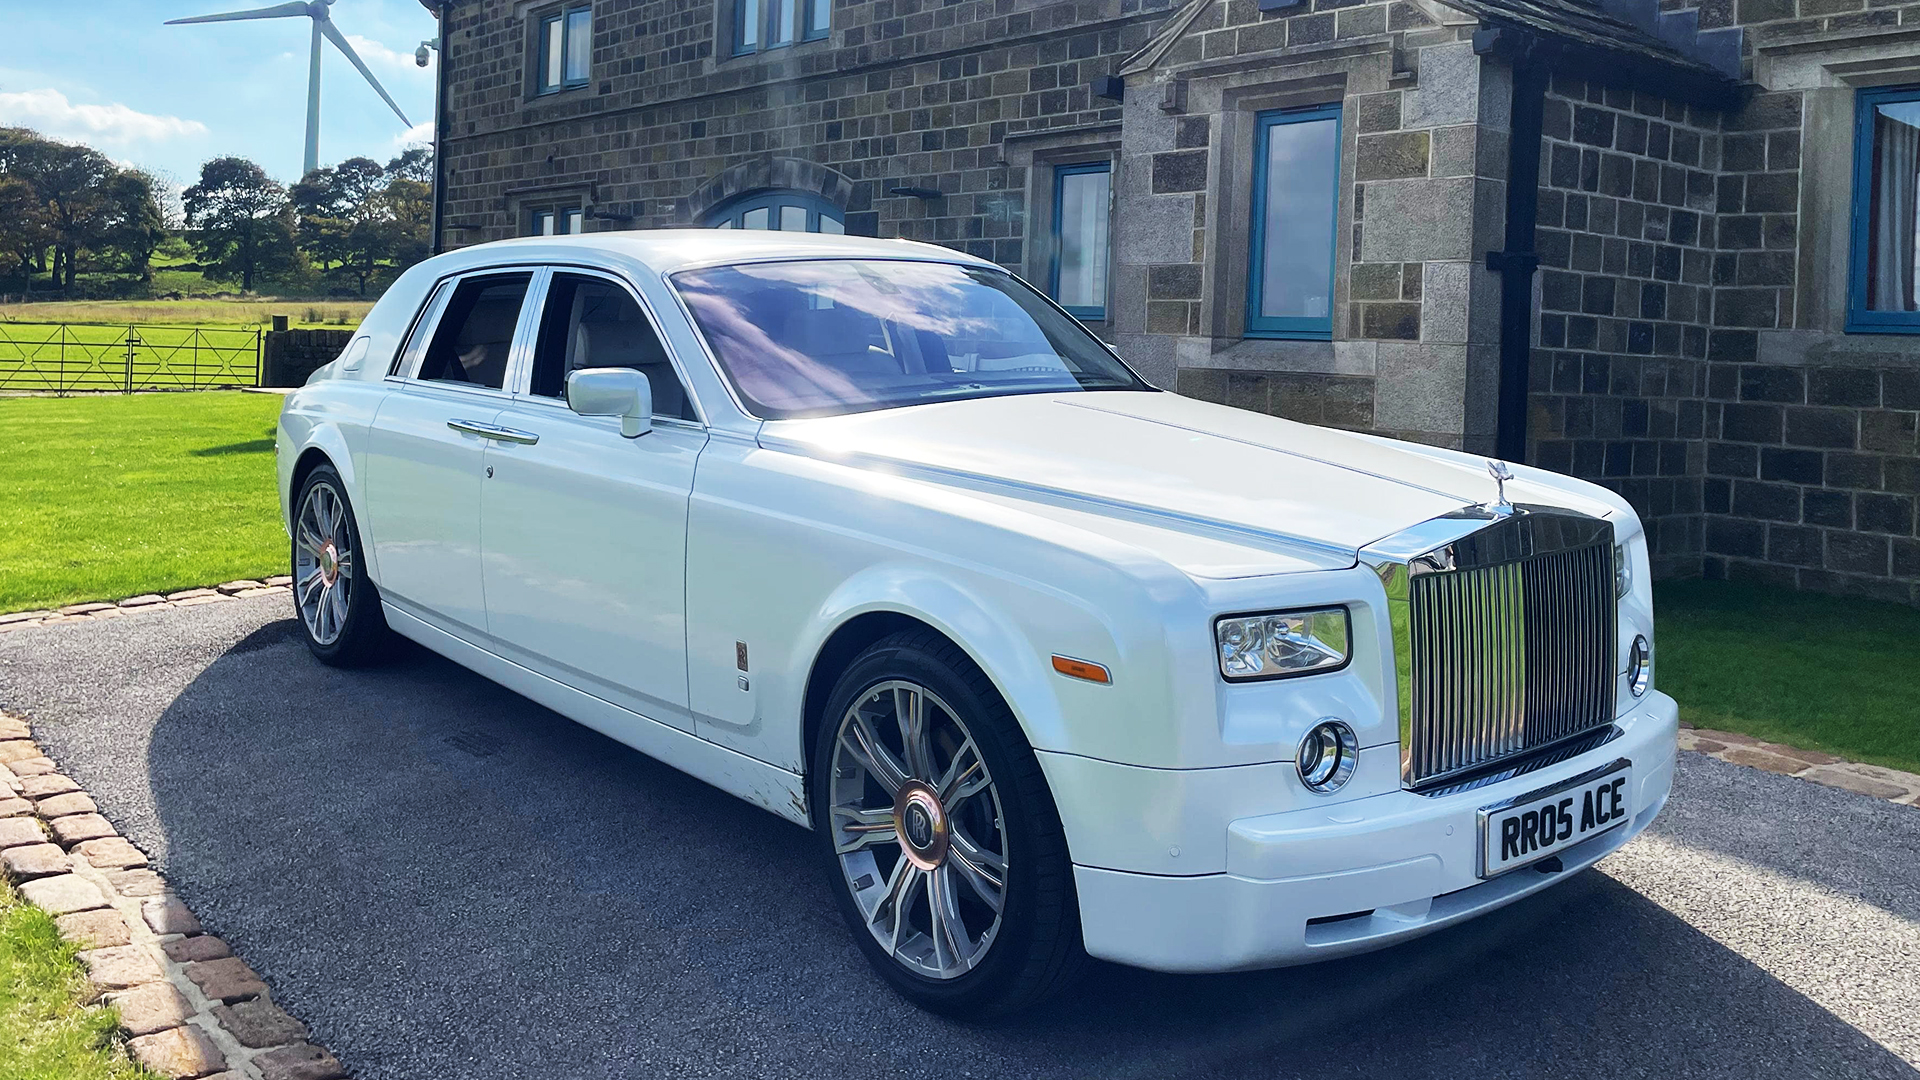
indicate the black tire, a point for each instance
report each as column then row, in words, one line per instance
column 363, row 637
column 1036, row 951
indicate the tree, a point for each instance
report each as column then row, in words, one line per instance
column 414, row 163
column 242, row 221
column 132, row 223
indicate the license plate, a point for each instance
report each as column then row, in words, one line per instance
column 1530, row 827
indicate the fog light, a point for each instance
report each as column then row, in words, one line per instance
column 1640, row 665
column 1327, row 756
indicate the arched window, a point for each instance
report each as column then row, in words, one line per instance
column 785, row 211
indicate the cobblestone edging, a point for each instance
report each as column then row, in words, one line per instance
column 190, row 1008
column 1881, row 783
column 278, row 585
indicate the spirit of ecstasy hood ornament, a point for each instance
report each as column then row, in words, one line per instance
column 1501, row 473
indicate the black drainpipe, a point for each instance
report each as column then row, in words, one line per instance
column 440, row 123
column 1518, row 261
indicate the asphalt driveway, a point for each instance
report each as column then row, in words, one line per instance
column 444, row 879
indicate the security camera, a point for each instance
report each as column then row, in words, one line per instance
column 422, row 56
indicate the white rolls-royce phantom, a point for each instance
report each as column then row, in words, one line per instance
column 1052, row 663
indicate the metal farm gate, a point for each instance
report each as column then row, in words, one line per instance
column 69, row 357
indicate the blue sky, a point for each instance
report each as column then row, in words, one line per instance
column 107, row 73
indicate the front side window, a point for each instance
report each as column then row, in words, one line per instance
column 554, row 221
column 591, row 322
column 1296, row 184
column 781, row 211
column 566, row 47
column 1080, row 201
column 1885, row 288
column 475, row 336
column 831, row 336
column 769, row 24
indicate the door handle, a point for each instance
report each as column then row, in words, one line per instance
column 494, row 432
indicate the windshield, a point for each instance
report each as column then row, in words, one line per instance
column 819, row 338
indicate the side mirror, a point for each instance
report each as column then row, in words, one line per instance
column 613, row 391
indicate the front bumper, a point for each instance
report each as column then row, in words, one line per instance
column 1411, row 860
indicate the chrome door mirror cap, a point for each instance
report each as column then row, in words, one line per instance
column 613, row 391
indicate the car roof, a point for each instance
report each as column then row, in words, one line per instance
column 664, row 251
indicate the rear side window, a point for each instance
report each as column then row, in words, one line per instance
column 475, row 335
column 593, row 323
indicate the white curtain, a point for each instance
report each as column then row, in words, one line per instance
column 1896, row 175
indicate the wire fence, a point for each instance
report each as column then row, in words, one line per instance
column 70, row 357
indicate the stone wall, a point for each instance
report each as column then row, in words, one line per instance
column 1626, row 237
column 1423, row 162
column 288, row 357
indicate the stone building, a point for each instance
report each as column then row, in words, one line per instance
column 1667, row 247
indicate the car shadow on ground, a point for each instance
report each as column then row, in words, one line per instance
column 446, row 879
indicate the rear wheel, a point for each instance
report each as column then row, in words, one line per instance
column 339, row 608
column 946, row 853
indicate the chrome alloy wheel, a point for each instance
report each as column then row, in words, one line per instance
column 323, row 563
column 918, row 828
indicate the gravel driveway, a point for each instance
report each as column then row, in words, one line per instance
column 444, row 879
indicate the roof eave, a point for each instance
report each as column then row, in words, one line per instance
column 1611, row 67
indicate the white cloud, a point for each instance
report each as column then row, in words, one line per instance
column 417, row 135
column 50, row 113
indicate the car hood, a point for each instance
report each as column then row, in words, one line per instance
column 1176, row 462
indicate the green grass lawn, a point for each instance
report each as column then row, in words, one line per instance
column 1820, row 672
column 46, row 1032
column 243, row 311
column 111, row 496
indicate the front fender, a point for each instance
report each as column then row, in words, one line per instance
column 1019, row 667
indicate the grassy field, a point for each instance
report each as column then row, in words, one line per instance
column 112, row 496
column 309, row 314
column 46, row 1030
column 1820, row 672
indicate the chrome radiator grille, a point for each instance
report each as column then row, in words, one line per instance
column 1508, row 657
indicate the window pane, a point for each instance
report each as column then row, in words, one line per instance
column 551, row 44
column 832, row 225
column 830, row 336
column 1083, row 240
column 793, row 219
column 569, row 222
column 1892, row 281
column 591, row 323
column 754, row 219
column 746, row 25
column 1296, row 263
column 579, row 44
column 783, row 19
column 727, row 224
column 543, row 223
column 819, row 16
column 476, row 333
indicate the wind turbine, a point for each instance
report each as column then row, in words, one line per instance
column 322, row 27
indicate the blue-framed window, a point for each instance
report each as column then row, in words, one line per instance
column 771, row 24
column 1081, row 202
column 566, row 49
column 555, row 221
column 1883, row 292
column 779, row 210
column 1296, row 203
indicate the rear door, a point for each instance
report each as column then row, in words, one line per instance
column 584, row 531
column 423, row 461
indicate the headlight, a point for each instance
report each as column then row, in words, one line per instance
column 1640, row 665
column 1277, row 644
column 1622, row 571
column 1327, row 756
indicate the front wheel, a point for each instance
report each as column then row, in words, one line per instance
column 945, row 850
column 339, row 608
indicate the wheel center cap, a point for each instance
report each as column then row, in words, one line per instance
column 921, row 823
column 329, row 563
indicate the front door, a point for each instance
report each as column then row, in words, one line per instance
column 423, row 461
column 584, row 531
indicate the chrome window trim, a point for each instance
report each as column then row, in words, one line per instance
column 1472, row 537
column 522, row 392
column 416, row 347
